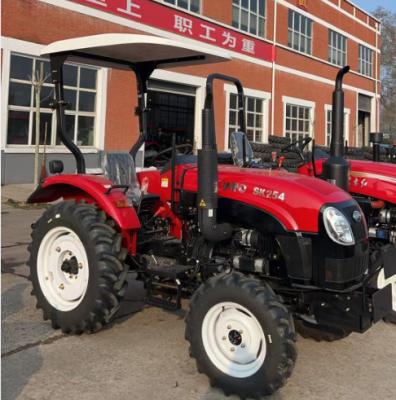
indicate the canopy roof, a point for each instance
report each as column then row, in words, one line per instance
column 121, row 49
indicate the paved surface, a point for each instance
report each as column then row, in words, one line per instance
column 143, row 354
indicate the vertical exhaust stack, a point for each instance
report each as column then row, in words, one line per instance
column 376, row 138
column 208, row 175
column 336, row 167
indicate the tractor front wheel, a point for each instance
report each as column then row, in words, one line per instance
column 77, row 267
column 241, row 335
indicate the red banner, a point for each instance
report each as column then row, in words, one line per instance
column 159, row 16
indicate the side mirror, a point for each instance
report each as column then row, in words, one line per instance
column 242, row 152
column 56, row 166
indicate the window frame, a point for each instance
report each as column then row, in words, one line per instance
column 347, row 113
column 265, row 97
column 291, row 32
column 31, row 109
column 237, row 24
column 340, row 52
column 300, row 103
column 199, row 12
column 19, row 47
column 366, row 66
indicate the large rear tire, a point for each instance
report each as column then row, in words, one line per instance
column 241, row 336
column 77, row 267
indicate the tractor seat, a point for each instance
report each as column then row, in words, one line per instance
column 119, row 167
column 239, row 140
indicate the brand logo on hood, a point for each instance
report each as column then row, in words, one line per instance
column 357, row 216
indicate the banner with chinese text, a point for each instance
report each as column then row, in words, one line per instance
column 172, row 20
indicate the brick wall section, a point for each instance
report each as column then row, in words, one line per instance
column 34, row 21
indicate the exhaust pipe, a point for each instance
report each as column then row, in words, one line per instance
column 376, row 138
column 207, row 172
column 336, row 167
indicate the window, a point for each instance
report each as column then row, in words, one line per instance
column 365, row 60
column 299, row 32
column 337, row 48
column 298, row 121
column 254, row 115
column 329, row 124
column 190, row 5
column 80, row 93
column 249, row 16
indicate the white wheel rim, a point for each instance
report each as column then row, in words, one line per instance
column 382, row 282
column 63, row 290
column 234, row 340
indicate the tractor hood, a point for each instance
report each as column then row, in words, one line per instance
column 294, row 200
column 374, row 179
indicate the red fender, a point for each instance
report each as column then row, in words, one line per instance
column 93, row 189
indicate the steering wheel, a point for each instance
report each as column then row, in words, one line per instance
column 297, row 147
column 162, row 158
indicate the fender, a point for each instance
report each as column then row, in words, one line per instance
column 94, row 189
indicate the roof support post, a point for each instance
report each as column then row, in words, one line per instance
column 143, row 72
column 57, row 61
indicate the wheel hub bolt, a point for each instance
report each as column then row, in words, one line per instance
column 80, row 265
column 240, row 331
column 232, row 349
column 243, row 345
column 229, row 326
column 224, row 338
column 58, row 249
column 61, row 286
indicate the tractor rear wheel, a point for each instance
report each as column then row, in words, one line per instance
column 241, row 335
column 77, row 267
column 320, row 333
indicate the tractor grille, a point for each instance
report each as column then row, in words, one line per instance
column 345, row 270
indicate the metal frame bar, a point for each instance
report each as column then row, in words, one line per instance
column 57, row 61
column 142, row 70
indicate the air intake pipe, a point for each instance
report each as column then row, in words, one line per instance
column 336, row 167
column 207, row 165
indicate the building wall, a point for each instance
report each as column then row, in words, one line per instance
column 300, row 76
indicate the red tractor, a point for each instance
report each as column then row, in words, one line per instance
column 252, row 248
column 371, row 183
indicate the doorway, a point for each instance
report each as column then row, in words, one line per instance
column 363, row 128
column 171, row 112
column 364, row 123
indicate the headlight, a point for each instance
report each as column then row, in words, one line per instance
column 338, row 227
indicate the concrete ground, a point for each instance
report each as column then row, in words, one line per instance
column 143, row 354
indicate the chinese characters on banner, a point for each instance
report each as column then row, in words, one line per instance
column 302, row 4
column 166, row 18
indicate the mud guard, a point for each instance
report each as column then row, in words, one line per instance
column 93, row 189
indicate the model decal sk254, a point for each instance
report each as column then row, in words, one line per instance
column 256, row 191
